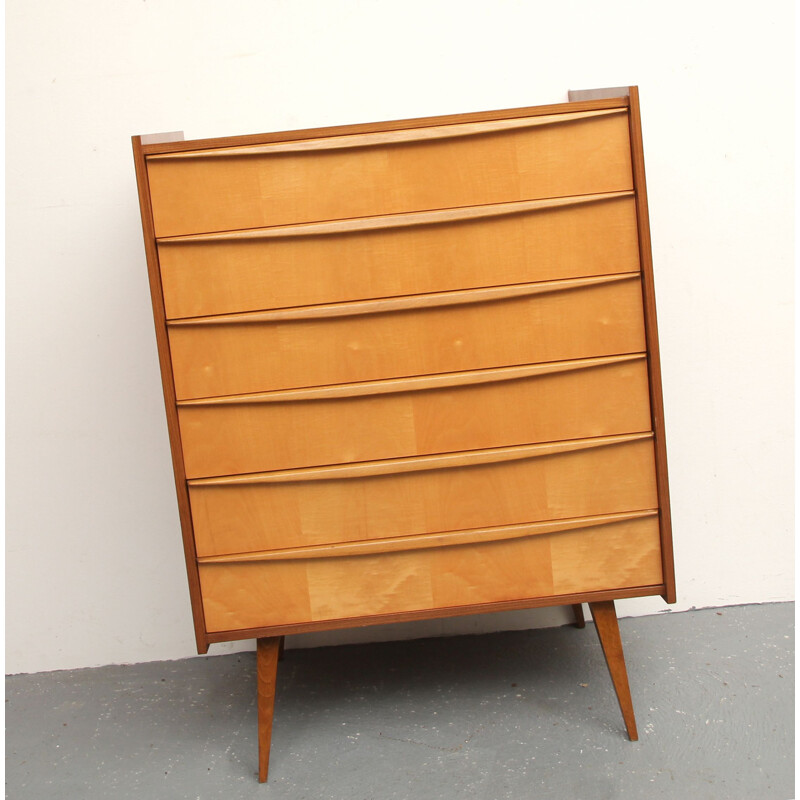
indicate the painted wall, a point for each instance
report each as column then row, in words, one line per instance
column 94, row 563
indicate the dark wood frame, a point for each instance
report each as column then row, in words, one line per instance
column 653, row 353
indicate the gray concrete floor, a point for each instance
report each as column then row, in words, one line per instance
column 528, row 714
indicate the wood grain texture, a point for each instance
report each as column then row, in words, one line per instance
column 586, row 321
column 385, row 222
column 388, row 305
column 571, row 158
column 263, row 593
column 379, row 138
column 386, row 125
column 605, row 621
column 440, row 461
column 431, row 252
column 417, row 416
column 267, row 656
column 481, row 489
column 428, row 540
column 413, row 383
column 436, row 613
column 651, row 332
column 435, row 206
column 168, row 387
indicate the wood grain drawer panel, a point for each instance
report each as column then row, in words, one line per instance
column 405, row 497
column 417, row 416
column 390, row 256
column 259, row 594
column 479, row 329
column 396, row 172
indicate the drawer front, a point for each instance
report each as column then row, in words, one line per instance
column 600, row 557
column 394, row 172
column 423, row 495
column 391, row 256
column 416, row 416
column 483, row 328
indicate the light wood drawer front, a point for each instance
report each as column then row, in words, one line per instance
column 423, row 495
column 416, row 416
column 390, row 256
column 601, row 557
column 395, row 172
column 478, row 329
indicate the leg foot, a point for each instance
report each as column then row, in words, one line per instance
column 580, row 620
column 266, row 674
column 605, row 620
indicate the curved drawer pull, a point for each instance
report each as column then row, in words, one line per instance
column 428, row 540
column 402, row 136
column 407, row 303
column 390, row 221
column 394, row 466
column 413, row 384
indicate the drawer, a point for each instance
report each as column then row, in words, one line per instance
column 405, row 254
column 392, row 172
column 415, row 416
column 404, row 497
column 419, row 335
column 582, row 557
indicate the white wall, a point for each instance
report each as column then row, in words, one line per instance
column 94, row 562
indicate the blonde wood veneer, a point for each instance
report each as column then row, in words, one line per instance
column 409, row 372
column 399, row 255
column 278, row 185
column 427, row 540
column 426, row 133
column 406, row 497
column 415, row 416
column 425, row 334
column 260, row 594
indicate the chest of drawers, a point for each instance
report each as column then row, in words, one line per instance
column 410, row 371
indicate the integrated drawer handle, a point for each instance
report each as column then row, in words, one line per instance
column 389, row 221
column 407, row 303
column 394, row 466
column 414, row 384
column 405, row 135
column 429, row 540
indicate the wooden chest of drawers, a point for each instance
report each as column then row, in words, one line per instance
column 410, row 370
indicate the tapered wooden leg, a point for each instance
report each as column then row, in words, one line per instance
column 580, row 620
column 605, row 621
column 266, row 674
